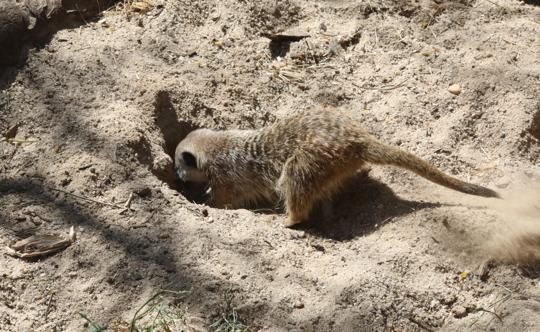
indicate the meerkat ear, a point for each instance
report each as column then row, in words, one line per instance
column 189, row 159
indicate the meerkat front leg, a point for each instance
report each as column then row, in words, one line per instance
column 223, row 197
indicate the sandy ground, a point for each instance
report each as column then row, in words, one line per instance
column 101, row 106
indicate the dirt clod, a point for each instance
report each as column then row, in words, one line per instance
column 298, row 305
column 459, row 311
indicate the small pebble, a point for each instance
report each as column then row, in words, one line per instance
column 459, row 311
column 298, row 305
column 448, row 299
column 454, row 89
column 503, row 182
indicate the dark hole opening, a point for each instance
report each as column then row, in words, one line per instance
column 532, row 2
column 174, row 131
column 281, row 44
column 534, row 129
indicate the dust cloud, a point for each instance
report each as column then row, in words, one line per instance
column 516, row 238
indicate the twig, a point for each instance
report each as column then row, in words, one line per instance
column 415, row 51
column 491, row 312
column 384, row 88
column 506, row 289
column 394, row 86
column 72, row 234
column 487, row 155
column 382, row 223
column 311, row 52
column 88, row 198
column 20, row 141
column 127, row 205
column 433, row 33
column 82, row 168
column 128, row 202
column 492, row 305
column 49, row 305
column 264, row 210
column 494, row 3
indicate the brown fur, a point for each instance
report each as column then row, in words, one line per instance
column 300, row 160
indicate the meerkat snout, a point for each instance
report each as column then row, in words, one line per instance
column 189, row 166
column 186, row 167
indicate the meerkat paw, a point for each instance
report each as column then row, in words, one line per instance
column 291, row 222
column 295, row 219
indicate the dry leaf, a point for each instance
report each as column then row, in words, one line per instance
column 41, row 245
column 141, row 6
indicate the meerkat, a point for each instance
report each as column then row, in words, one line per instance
column 299, row 160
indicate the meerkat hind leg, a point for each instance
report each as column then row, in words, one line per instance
column 294, row 186
column 303, row 183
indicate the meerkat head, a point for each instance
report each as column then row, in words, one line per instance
column 190, row 157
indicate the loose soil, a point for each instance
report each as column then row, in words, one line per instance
column 101, row 106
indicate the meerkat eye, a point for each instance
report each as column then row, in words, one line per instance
column 189, row 159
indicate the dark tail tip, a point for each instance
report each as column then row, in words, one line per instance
column 482, row 191
column 493, row 194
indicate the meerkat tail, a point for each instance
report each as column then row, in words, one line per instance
column 379, row 153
